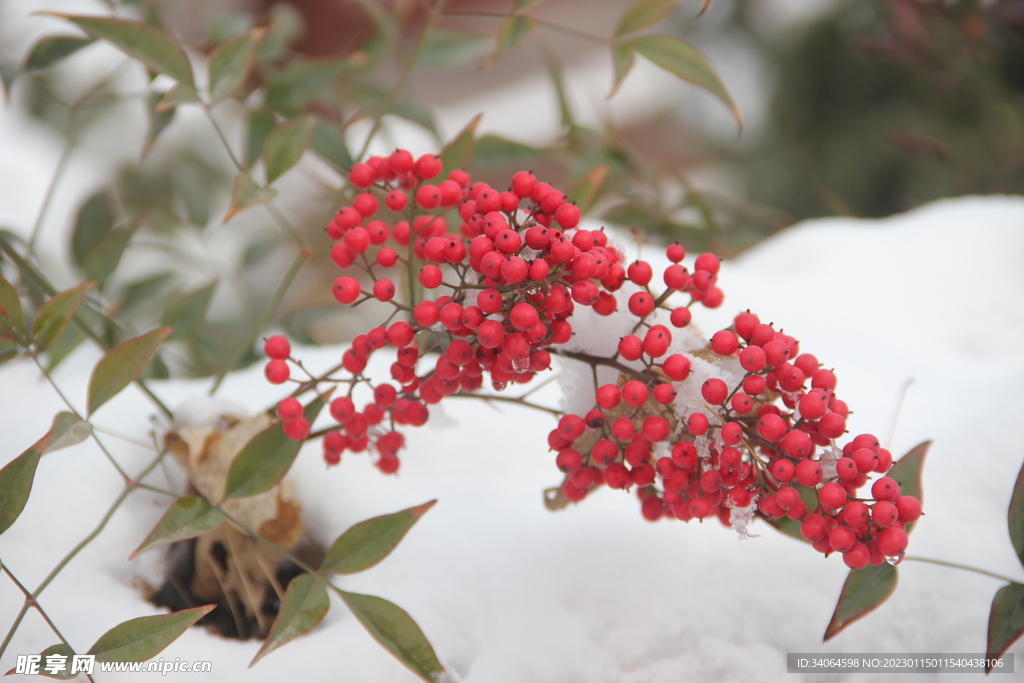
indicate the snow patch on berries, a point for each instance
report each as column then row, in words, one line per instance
column 740, row 518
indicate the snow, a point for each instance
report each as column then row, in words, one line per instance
column 508, row 591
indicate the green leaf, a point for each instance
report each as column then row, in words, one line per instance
column 138, row 40
column 137, row 640
column 491, row 150
column 511, row 33
column 585, row 193
column 144, row 291
column 524, row 4
column 245, row 194
column 16, row 483
column 304, row 606
column 300, row 82
column 159, row 119
column 94, row 222
column 230, row 62
column 1005, row 620
column 52, row 49
column 907, row 473
column 864, row 590
column 54, row 315
column 67, row 341
column 185, row 312
column 644, row 13
column 1015, row 516
column 329, row 143
column 187, row 517
column 370, row 541
column 122, row 365
column 60, row 649
column 446, row 49
column 12, row 317
column 260, row 123
column 458, row 153
column 392, row 627
column 266, row 458
column 285, row 144
column 102, row 260
column 623, row 57
column 686, row 62
column 178, row 94
column 68, row 429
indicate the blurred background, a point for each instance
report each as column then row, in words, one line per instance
column 850, row 108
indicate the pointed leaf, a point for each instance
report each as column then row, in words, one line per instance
column 686, row 62
column 138, row 40
column 122, row 365
column 102, row 260
column 185, row 312
column 392, row 627
column 524, row 4
column 329, row 143
column 94, row 222
column 458, row 153
column 301, row 81
column 230, row 62
column 158, row 121
column 644, row 13
column 304, row 606
column 1005, row 620
column 52, row 49
column 370, row 541
column 187, row 517
column 705, row 5
column 259, row 124
column 178, row 94
column 12, row 317
column 623, row 58
column 266, row 458
column 586, row 192
column 68, row 429
column 864, row 590
column 511, row 33
column 61, row 650
column 54, row 315
column 16, row 482
column 137, row 640
column 246, row 194
column 285, row 144
column 907, row 473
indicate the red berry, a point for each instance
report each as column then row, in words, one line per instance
column 741, row 403
column 885, row 488
column 813, row 528
column 289, row 409
column 892, row 541
column 430, row 276
column 832, row 426
column 732, row 433
column 656, row 428
column 908, row 508
column 277, row 371
column 346, row 289
column 841, row 539
column 832, row 496
column 362, row 176
column 675, row 252
column 857, row 557
column 677, row 367
column 428, row 166
column 664, row 393
column 634, row 393
column 568, row 460
column 707, row 262
column 608, row 396
column 808, row 473
column 884, row 514
column 783, row 470
column 277, row 347
column 697, row 424
column 384, row 289
column 630, row 347
column 641, row 304
column 771, row 427
column 567, row 216
column 681, row 317
column 724, row 343
column 297, row 429
column 715, row 391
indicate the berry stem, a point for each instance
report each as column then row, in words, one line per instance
column 954, row 565
column 506, row 399
column 596, row 360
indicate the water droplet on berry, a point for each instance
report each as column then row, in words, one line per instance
column 896, row 559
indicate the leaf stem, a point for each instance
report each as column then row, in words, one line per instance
column 30, row 600
column 954, row 565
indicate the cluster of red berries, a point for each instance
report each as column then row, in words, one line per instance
column 740, row 449
column 496, row 297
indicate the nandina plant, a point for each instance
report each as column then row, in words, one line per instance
column 754, row 430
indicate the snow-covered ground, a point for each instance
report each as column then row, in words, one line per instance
column 507, row 591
